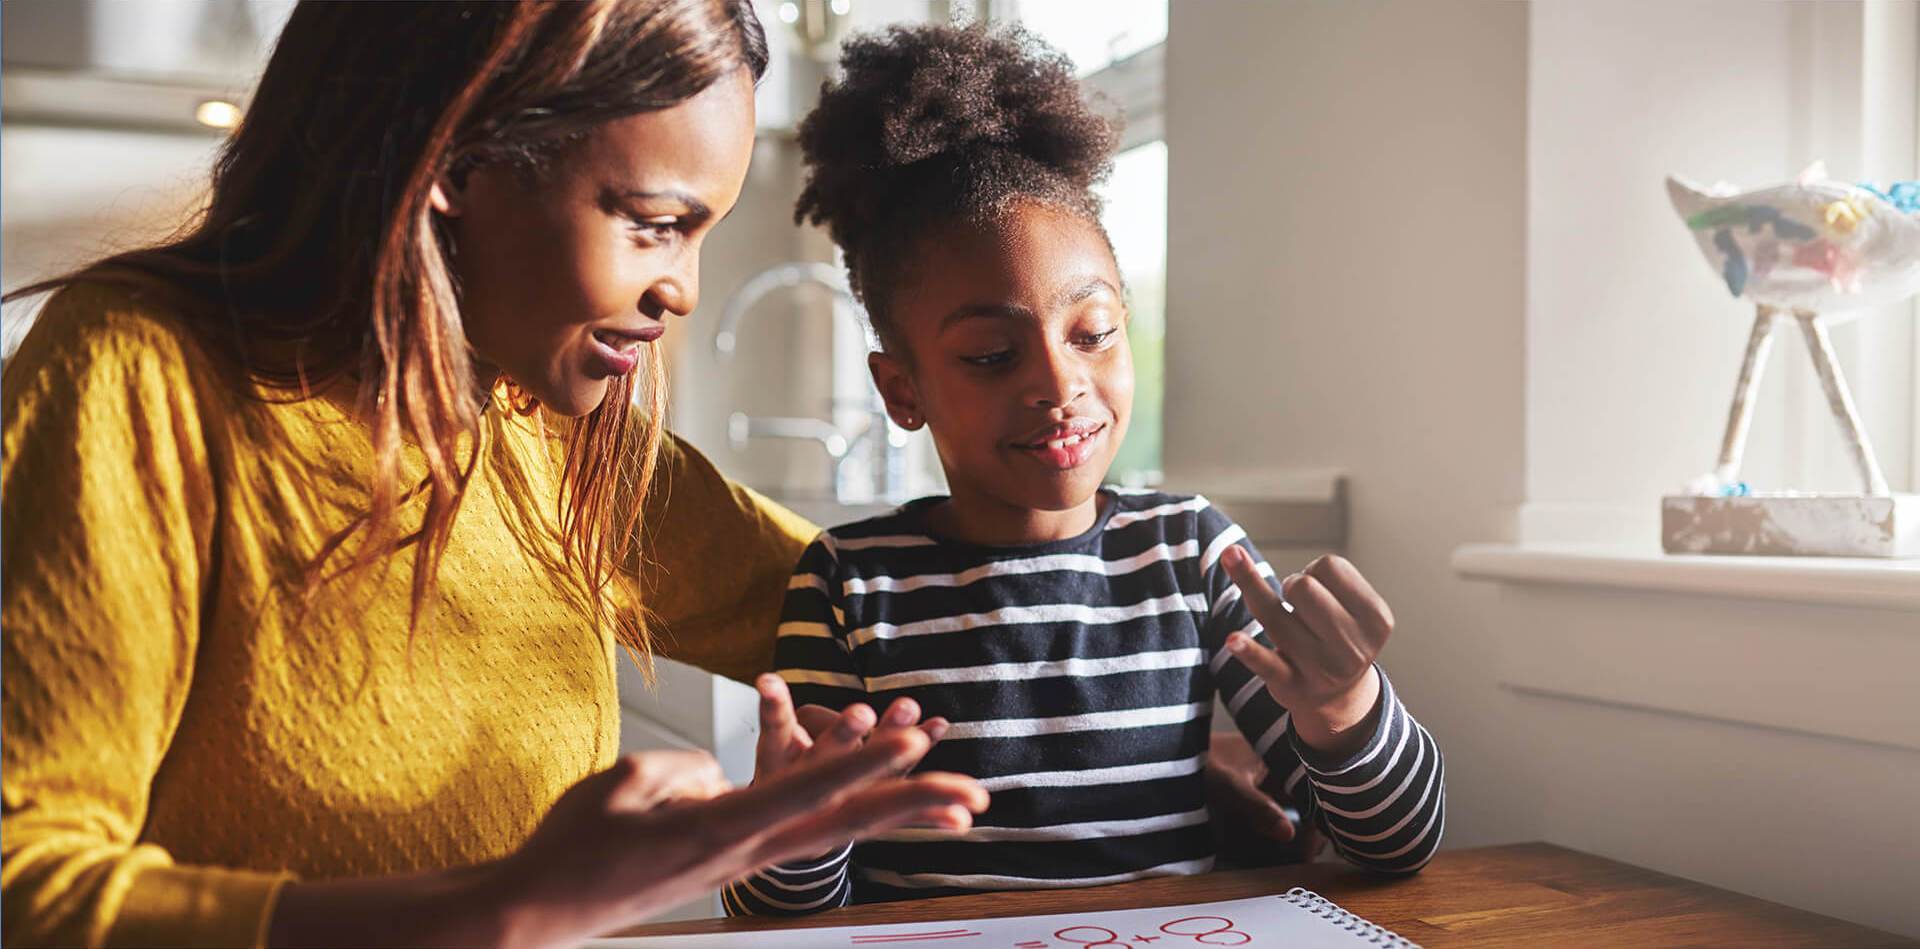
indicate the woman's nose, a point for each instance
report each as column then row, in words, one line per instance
column 678, row 291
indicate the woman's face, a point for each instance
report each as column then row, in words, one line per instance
column 566, row 274
column 1017, row 359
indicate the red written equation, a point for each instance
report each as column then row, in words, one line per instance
column 1187, row 930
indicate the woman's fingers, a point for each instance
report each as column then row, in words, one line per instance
column 810, row 785
column 951, row 799
column 903, row 713
column 781, row 737
column 936, row 728
column 816, row 719
column 649, row 779
column 1334, row 641
column 848, row 730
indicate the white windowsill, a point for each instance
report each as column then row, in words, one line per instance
column 1841, row 581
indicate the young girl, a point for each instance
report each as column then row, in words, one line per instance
column 1066, row 640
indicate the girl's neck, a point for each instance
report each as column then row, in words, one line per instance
column 976, row 518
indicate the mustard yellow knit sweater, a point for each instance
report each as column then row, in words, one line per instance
column 180, row 738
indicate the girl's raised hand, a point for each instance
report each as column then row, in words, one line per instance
column 1326, row 634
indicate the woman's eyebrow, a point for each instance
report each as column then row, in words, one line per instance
column 695, row 207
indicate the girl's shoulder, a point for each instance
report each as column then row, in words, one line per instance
column 901, row 527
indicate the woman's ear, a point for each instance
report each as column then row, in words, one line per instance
column 896, row 387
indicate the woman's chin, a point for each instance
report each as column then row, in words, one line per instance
column 574, row 399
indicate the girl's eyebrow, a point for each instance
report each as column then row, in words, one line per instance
column 1009, row 311
column 1086, row 290
column 998, row 311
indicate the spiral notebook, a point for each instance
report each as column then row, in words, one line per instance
column 1297, row 919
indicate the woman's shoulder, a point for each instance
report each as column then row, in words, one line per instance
column 95, row 327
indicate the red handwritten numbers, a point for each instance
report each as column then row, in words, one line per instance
column 1204, row 930
column 1222, row 935
column 1085, row 936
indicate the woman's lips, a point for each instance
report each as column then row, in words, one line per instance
column 617, row 352
column 1067, row 449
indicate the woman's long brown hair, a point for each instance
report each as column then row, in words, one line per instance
column 318, row 257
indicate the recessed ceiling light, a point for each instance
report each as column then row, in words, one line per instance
column 215, row 113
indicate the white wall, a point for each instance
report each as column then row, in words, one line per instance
column 1427, row 243
column 73, row 195
column 1345, row 264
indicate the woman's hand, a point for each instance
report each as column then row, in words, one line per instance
column 791, row 738
column 604, row 859
column 1326, row 634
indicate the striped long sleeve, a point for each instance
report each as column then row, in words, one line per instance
column 1384, row 806
column 1079, row 678
column 811, row 654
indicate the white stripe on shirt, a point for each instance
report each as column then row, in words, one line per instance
column 1029, row 671
column 1123, row 518
column 1085, row 830
column 1088, row 722
column 1092, row 777
column 1221, row 541
column 1029, row 615
column 991, row 881
column 1052, row 563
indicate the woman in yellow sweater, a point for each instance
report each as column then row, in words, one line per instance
column 325, row 522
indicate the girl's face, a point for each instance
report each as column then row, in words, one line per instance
column 567, row 273
column 1014, row 354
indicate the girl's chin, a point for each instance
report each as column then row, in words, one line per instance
column 1061, row 491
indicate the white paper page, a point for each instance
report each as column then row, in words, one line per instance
column 1261, row 921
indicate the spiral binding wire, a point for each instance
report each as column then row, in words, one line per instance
column 1373, row 935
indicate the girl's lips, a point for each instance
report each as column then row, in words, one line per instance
column 1067, row 451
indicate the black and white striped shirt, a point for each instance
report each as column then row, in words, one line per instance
column 1079, row 677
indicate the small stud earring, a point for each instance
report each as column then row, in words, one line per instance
column 909, row 421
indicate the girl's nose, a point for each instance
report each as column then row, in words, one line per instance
column 1058, row 381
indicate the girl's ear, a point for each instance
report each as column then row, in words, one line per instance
column 896, row 387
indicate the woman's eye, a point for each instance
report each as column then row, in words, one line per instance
column 996, row 358
column 1095, row 339
column 656, row 230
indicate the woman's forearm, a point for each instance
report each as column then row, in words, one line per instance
column 460, row 907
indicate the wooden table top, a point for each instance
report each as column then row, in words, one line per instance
column 1519, row 895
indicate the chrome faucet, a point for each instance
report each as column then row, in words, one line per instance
column 874, row 439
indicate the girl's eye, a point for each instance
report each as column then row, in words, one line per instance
column 989, row 360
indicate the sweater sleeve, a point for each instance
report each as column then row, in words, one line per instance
column 107, row 503
column 1383, row 807
column 716, row 557
column 811, row 654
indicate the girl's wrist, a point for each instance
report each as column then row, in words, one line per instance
column 1342, row 725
